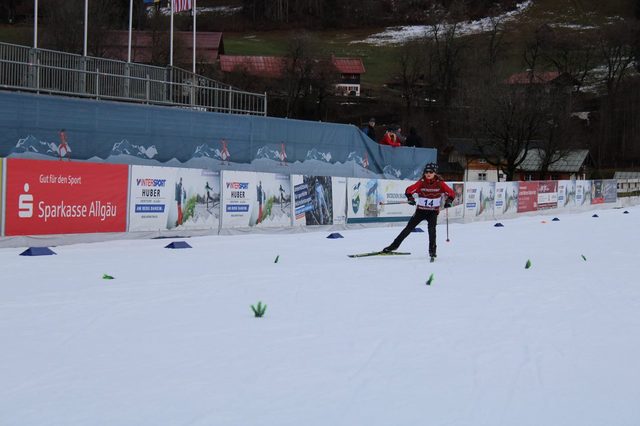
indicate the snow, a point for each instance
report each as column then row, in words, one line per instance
column 403, row 34
column 172, row 339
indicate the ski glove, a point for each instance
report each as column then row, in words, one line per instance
column 448, row 202
column 410, row 200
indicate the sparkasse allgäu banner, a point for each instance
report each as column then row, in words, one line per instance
column 64, row 197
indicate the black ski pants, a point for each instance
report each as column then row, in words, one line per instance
column 432, row 219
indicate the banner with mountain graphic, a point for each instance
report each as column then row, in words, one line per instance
column 46, row 127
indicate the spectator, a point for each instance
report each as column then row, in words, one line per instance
column 398, row 132
column 390, row 138
column 370, row 129
column 413, row 139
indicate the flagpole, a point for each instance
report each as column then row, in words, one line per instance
column 171, row 36
column 194, row 36
column 35, row 24
column 130, row 29
column 86, row 26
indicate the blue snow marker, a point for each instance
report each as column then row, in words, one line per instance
column 334, row 235
column 498, row 225
column 417, row 230
column 37, row 251
column 178, row 245
column 595, row 215
column 555, row 219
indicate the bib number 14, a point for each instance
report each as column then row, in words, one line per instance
column 430, row 203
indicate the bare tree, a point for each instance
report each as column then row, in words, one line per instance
column 556, row 133
column 505, row 120
column 615, row 49
column 64, row 28
column 297, row 72
column 411, row 71
column 323, row 79
column 572, row 53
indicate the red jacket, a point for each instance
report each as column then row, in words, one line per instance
column 390, row 138
column 430, row 192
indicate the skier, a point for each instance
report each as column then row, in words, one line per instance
column 178, row 199
column 209, row 197
column 321, row 203
column 260, row 198
column 429, row 189
column 281, row 198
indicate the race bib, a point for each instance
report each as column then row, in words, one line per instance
column 429, row 203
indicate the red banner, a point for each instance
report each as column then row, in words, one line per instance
column 62, row 197
column 528, row 197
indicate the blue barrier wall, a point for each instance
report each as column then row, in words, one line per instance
column 39, row 126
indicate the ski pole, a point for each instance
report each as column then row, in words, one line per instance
column 447, row 213
column 382, row 203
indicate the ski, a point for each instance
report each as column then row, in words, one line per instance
column 380, row 253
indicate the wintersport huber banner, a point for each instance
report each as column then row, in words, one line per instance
column 255, row 199
column 165, row 198
column 63, row 197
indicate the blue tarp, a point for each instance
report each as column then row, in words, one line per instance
column 35, row 126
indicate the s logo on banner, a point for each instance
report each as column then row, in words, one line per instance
column 25, row 203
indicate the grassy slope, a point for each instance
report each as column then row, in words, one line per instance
column 380, row 62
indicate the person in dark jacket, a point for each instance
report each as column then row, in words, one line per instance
column 429, row 189
column 413, row 139
column 370, row 129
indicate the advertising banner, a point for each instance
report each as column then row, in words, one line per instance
column 506, row 198
column 1, row 206
column 456, row 210
column 479, row 199
column 610, row 190
column 566, row 193
column 319, row 200
column 583, row 193
column 63, row 197
column 527, row 196
column 597, row 192
column 164, row 198
column 255, row 199
column 377, row 200
column 547, row 194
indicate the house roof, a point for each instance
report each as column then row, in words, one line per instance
column 260, row 66
column 348, row 65
column 209, row 45
column 469, row 147
column 626, row 175
column 274, row 66
column 533, row 78
column 572, row 161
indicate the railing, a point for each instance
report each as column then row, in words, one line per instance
column 48, row 71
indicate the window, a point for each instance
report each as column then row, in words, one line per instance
column 482, row 176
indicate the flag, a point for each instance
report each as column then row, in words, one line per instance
column 180, row 5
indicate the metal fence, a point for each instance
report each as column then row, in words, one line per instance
column 48, row 71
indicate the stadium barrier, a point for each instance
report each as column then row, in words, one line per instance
column 54, row 198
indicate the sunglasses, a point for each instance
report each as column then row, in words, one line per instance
column 429, row 172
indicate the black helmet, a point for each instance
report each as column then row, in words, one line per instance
column 430, row 167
